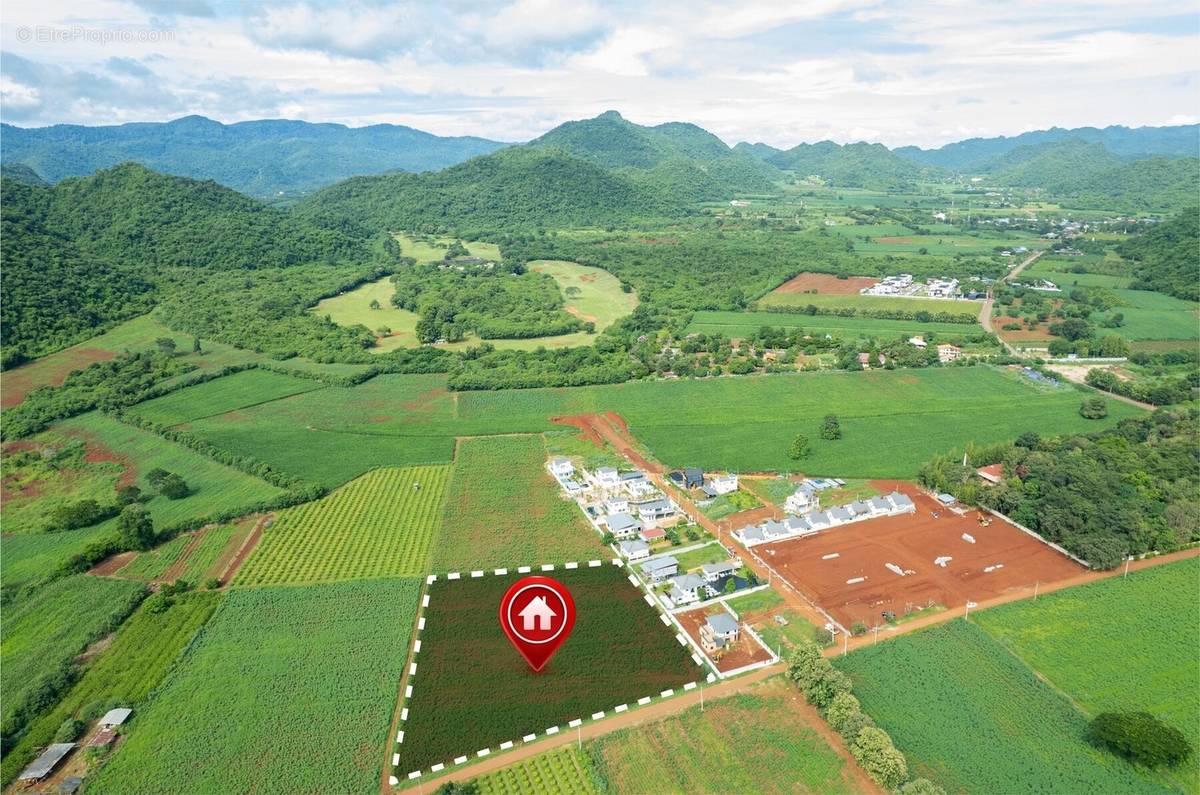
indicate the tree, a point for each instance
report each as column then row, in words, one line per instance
column 874, row 750
column 799, row 447
column 920, row 786
column 827, row 687
column 730, row 586
column 374, row 303
column 831, row 429
column 155, row 477
column 128, row 494
column 195, row 345
column 1139, row 737
column 803, row 664
column 73, row 515
column 854, row 724
column 840, row 708
column 173, row 487
column 1094, row 408
column 166, row 345
column 136, row 527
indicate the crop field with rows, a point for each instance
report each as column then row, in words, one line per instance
column 473, row 691
column 973, row 718
column 29, row 557
column 563, row 771
column 380, row 525
column 154, row 563
column 871, row 302
column 1152, row 614
column 753, row 742
column 746, row 324
column 285, row 690
column 232, row 392
column 125, row 673
column 503, row 508
column 42, row 632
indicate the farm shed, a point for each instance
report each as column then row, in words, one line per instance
column 41, row 767
column 115, row 717
column 992, row 473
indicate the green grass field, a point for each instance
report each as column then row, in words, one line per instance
column 759, row 600
column 709, row 553
column 43, row 631
column 741, row 325
column 30, row 557
column 1154, row 316
column 599, row 300
column 354, row 308
column 974, row 718
column 152, row 564
column 434, row 249
column 798, row 629
column 753, row 742
column 473, row 691
column 1141, row 656
column 892, row 421
column 215, row 487
column 123, row 675
column 237, row 391
column 380, row 525
column 968, row 308
column 56, row 472
column 504, row 509
column 284, row 690
column 563, row 771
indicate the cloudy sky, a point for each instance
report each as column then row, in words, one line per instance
column 781, row 72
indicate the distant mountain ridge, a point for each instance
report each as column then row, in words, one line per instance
column 859, row 165
column 260, row 158
column 679, row 159
column 977, row 154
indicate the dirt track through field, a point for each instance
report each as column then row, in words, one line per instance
column 247, row 547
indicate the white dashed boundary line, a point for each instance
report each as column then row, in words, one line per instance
column 528, row 738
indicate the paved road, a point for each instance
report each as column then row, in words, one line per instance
column 985, row 312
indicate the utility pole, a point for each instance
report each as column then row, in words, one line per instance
column 1126, row 574
column 1035, row 589
column 579, row 734
column 701, row 696
column 876, row 635
column 846, row 644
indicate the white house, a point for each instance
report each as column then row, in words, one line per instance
column 658, row 569
column 688, row 588
column 715, row 571
column 607, row 477
column 723, row 484
column 860, row 508
column 634, row 550
column 622, row 525
column 948, row 353
column 655, row 509
column 902, row 502
column 798, row 526
column 640, row 489
column 917, row 342
column 561, row 468
column 803, row 500
column 536, row 615
column 616, row 505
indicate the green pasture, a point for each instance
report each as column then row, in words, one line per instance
column 889, row 303
column 354, row 308
column 973, row 718
column 1155, row 316
column 237, row 391
column 741, row 325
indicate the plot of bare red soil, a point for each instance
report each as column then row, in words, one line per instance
column 826, row 283
column 51, row 371
column 844, row 570
column 745, row 651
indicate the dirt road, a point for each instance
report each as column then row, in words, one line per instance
column 1077, row 373
column 985, row 312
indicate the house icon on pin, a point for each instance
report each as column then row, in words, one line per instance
column 537, row 612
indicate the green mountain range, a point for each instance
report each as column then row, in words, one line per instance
column 975, row 155
column 858, row 165
column 261, row 158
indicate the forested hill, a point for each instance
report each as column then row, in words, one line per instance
column 261, row 158
column 1092, row 175
column 1165, row 256
column 89, row 251
column 520, row 188
column 975, row 154
column 852, row 165
column 759, row 150
column 677, row 159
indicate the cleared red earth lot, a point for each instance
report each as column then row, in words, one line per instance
column 827, row 567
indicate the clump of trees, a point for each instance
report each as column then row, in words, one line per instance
column 1127, row 490
column 1093, row 408
column 831, row 429
column 168, row 484
column 828, row 689
column 1139, row 737
column 799, row 448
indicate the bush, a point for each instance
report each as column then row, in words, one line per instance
column 840, row 708
column 828, row 686
column 81, row 513
column 1094, row 408
column 831, row 429
column 920, row 786
column 1139, row 737
column 798, row 448
column 805, row 664
column 69, row 731
column 855, row 724
column 173, row 487
column 874, row 750
column 212, row 583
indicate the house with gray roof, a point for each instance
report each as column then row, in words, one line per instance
column 718, row 632
column 750, row 535
column 688, row 588
column 622, row 525
column 655, row 509
column 715, row 571
column 838, row 514
column 902, row 502
column 634, row 550
column 798, row 525
column 606, row 476
column 860, row 508
column 658, row 569
column 693, row 477
column 880, row 505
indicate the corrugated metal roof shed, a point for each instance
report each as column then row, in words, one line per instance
column 40, row 768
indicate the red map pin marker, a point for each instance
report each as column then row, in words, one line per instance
column 537, row 613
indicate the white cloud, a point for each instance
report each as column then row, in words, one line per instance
column 919, row 72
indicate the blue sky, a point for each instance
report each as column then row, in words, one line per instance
column 782, row 72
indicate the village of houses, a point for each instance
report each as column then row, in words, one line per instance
column 693, row 579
